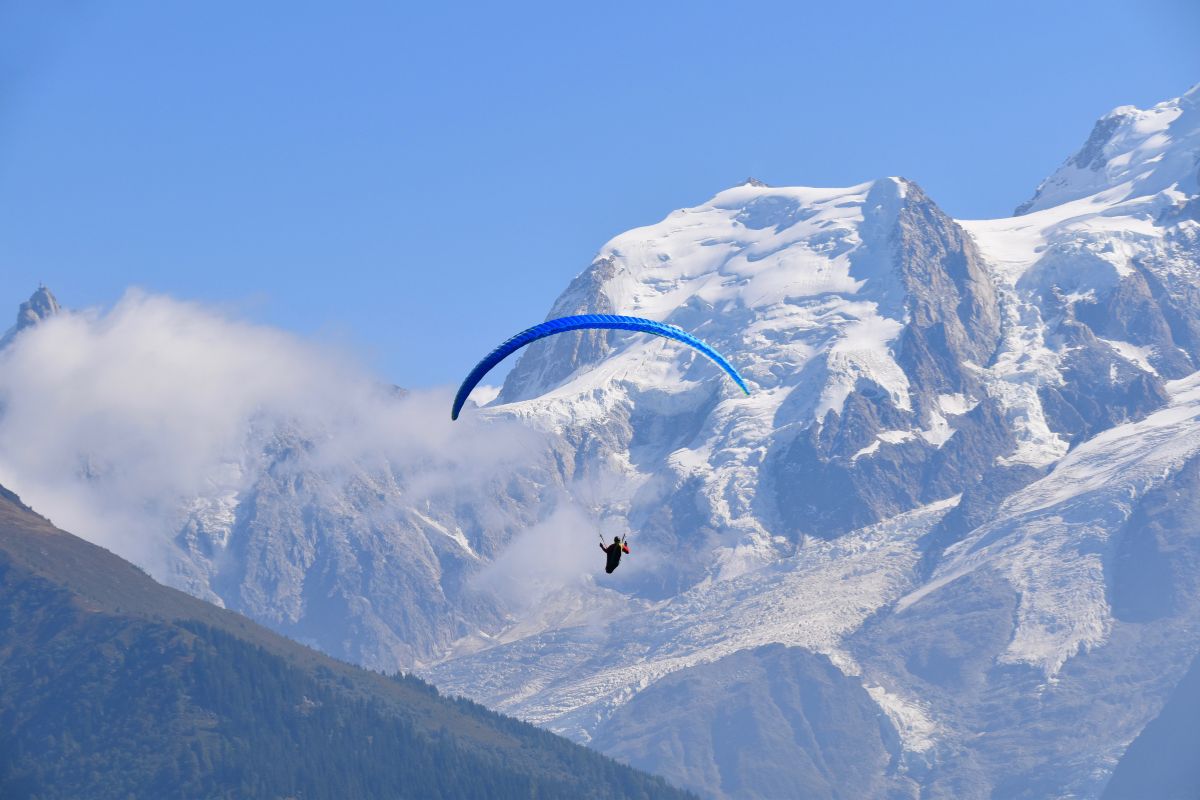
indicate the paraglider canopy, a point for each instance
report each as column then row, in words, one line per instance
column 583, row 322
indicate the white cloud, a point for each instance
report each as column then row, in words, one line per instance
column 484, row 394
column 550, row 557
column 113, row 421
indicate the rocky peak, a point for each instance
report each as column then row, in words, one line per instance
column 1091, row 155
column 552, row 360
column 40, row 306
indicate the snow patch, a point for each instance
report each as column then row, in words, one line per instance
column 918, row 732
column 956, row 404
column 866, row 451
column 1138, row 356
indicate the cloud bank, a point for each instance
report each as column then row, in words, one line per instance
column 111, row 422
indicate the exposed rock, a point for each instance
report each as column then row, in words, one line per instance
column 771, row 722
column 551, row 360
column 40, row 306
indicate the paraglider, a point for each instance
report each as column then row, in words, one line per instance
column 619, row 545
column 614, row 551
column 584, row 322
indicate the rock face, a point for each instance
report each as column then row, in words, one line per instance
column 556, row 358
column 952, row 323
column 953, row 505
column 1161, row 760
column 766, row 722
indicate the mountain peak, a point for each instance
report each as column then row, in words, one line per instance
column 1130, row 152
column 1091, row 155
column 40, row 306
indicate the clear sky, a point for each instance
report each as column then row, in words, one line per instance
column 419, row 182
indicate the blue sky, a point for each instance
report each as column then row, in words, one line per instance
column 419, row 182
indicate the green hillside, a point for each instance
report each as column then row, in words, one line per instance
column 113, row 686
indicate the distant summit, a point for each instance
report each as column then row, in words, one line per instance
column 40, row 306
column 1131, row 152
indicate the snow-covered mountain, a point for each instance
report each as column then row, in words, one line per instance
column 946, row 548
column 952, row 481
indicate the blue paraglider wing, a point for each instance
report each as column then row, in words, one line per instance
column 581, row 322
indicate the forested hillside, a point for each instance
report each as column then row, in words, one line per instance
column 112, row 686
